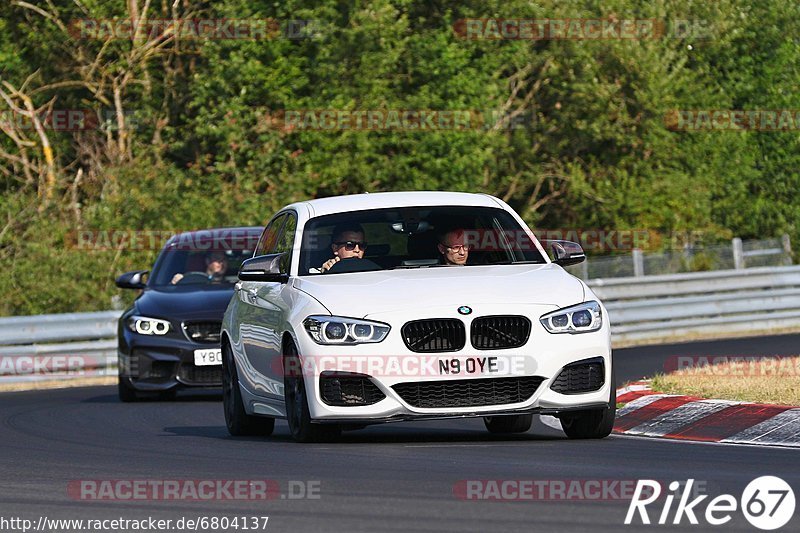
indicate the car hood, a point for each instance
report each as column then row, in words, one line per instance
column 365, row 293
column 177, row 302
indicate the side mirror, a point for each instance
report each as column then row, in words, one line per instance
column 566, row 253
column 132, row 280
column 269, row 267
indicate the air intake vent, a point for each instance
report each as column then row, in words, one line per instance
column 200, row 375
column 203, row 332
column 587, row 375
column 468, row 392
column 348, row 390
column 434, row 335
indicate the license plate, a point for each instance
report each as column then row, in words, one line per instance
column 208, row 357
column 469, row 365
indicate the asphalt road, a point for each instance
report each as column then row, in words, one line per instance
column 395, row 477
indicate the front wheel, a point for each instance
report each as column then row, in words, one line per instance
column 236, row 418
column 297, row 413
column 508, row 423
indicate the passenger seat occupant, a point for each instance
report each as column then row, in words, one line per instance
column 348, row 241
column 453, row 248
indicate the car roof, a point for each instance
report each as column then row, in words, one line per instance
column 381, row 200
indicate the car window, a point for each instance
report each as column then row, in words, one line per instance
column 409, row 237
column 195, row 267
column 269, row 237
column 203, row 257
column 285, row 241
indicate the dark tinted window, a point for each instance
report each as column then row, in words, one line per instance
column 270, row 236
column 409, row 238
column 201, row 258
column 197, row 267
column 285, row 241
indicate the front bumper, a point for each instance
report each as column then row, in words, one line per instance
column 387, row 364
column 151, row 363
column 410, row 417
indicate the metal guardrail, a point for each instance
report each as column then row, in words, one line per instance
column 62, row 346
column 642, row 310
column 676, row 307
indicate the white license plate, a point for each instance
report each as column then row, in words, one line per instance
column 208, row 357
column 469, row 365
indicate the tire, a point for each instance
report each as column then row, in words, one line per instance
column 126, row 393
column 508, row 423
column 297, row 413
column 240, row 424
column 592, row 423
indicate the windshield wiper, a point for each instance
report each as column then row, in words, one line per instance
column 406, row 267
column 521, row 262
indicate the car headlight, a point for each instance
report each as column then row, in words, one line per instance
column 341, row 330
column 581, row 318
column 148, row 326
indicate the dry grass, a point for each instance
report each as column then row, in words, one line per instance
column 773, row 380
column 56, row 384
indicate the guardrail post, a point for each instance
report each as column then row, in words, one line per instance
column 585, row 270
column 738, row 253
column 787, row 249
column 638, row 263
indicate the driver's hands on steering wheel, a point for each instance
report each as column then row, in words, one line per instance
column 191, row 277
column 329, row 263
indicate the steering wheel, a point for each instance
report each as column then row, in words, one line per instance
column 193, row 277
column 353, row 264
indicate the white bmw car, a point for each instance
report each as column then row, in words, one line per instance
column 385, row 307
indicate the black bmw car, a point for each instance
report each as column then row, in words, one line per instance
column 169, row 338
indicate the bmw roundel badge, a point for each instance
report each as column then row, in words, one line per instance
column 464, row 310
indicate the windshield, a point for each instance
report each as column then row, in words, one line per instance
column 175, row 267
column 414, row 237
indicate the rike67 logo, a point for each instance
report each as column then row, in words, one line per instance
column 767, row 503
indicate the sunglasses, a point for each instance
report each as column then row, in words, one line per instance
column 351, row 245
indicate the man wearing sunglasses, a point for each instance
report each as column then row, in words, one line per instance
column 348, row 241
column 452, row 245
